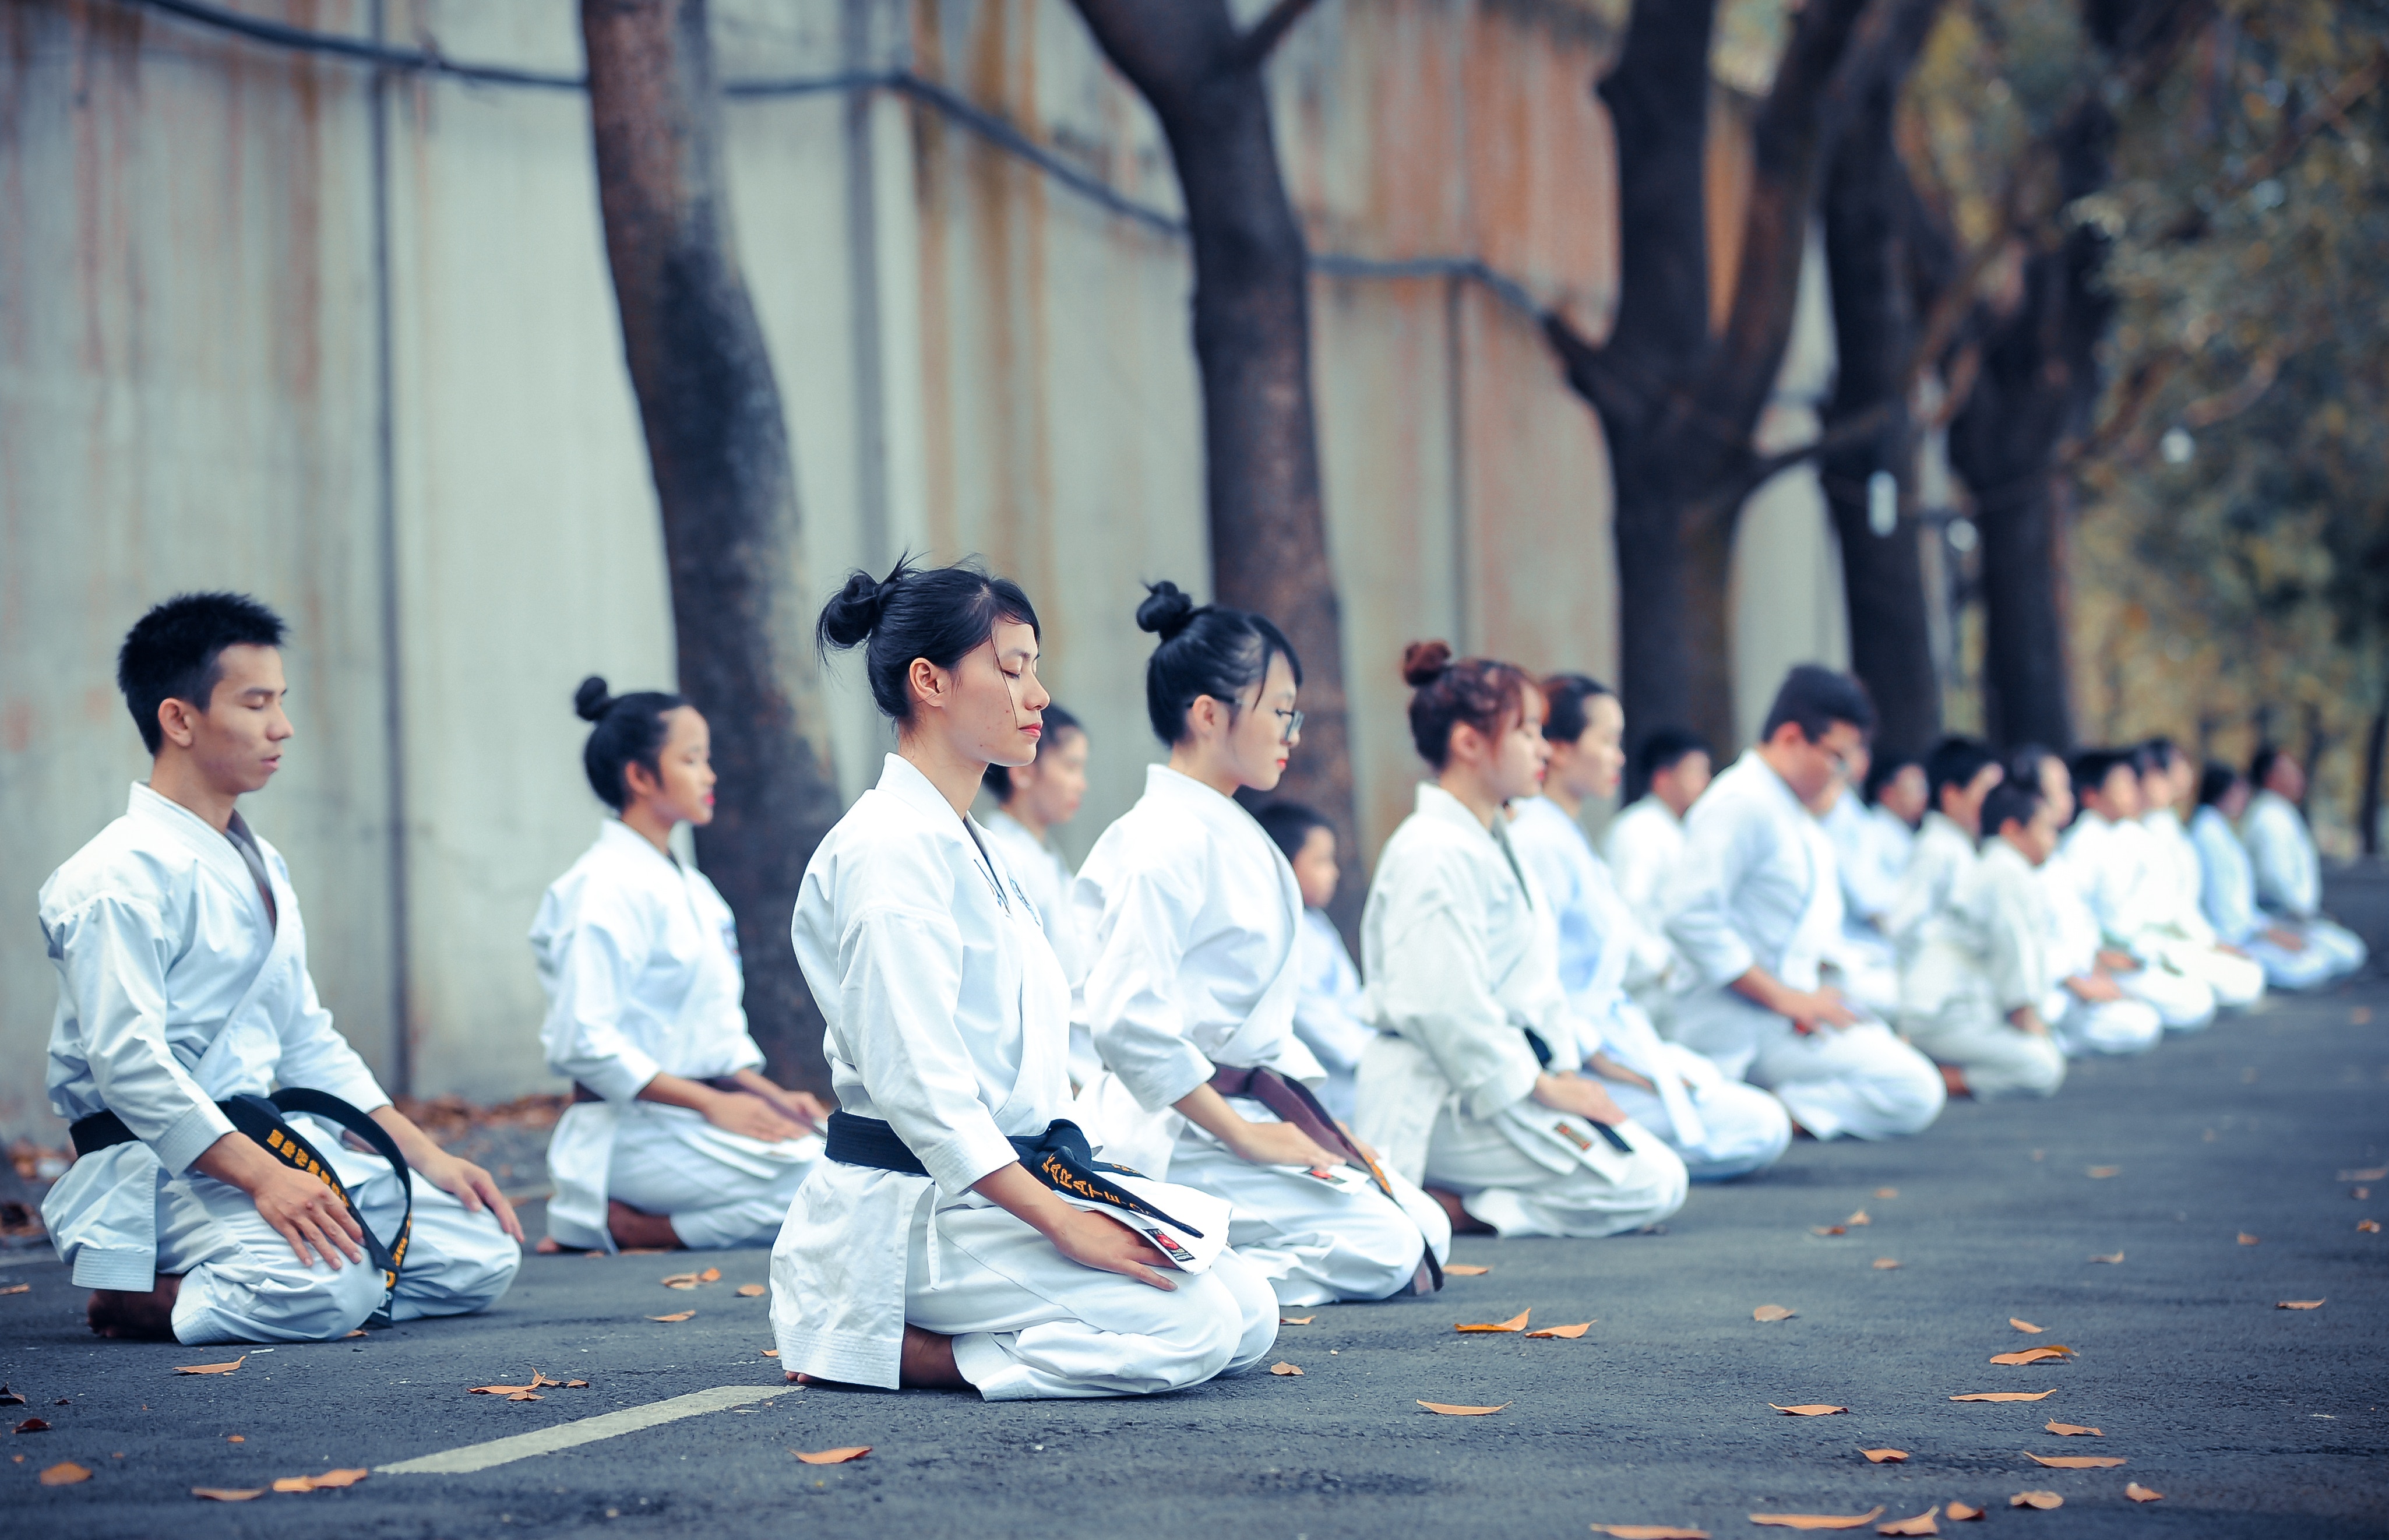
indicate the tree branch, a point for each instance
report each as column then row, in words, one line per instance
column 1268, row 32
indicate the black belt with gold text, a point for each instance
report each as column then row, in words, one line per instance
column 1061, row 1157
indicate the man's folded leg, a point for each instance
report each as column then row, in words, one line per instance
column 242, row 1281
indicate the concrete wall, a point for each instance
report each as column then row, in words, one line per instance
column 198, row 258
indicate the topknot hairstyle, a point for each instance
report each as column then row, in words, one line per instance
column 628, row 729
column 176, row 650
column 1205, row 650
column 939, row 613
column 1567, row 695
column 1445, row 691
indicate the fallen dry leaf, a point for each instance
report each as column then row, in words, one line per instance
column 1886, row 1192
column 9, row 1397
column 2071, row 1430
column 1883, row 1456
column 1650, row 1532
column 1283, row 1369
column 1859, row 1219
column 340, row 1478
column 1922, row 1525
column 710, row 1275
column 2074, row 1463
column 2360, row 1016
column 2246, row 1238
column 2035, row 1499
column 32, row 1425
column 2100, row 1173
column 1515, row 1323
column 2006, row 1395
column 2032, row 1354
column 2299, row 1305
column 212, row 1369
column 2112, row 1257
column 752, row 1290
column 2025, row 1326
column 235, row 1438
column 1814, row 1408
column 1571, row 1333
column 771, row 1353
column 1818, row 1520
column 2370, row 1173
column 228, row 1493
column 639, row 1250
column 833, row 1457
column 2368, row 1226
column 2359, row 1193
column 1295, row 1320
column 1885, row 1263
column 1962, row 1511
column 576, row 1384
column 525, row 1395
column 66, row 1473
column 2140, row 1493
column 1442, row 1409
column 680, row 1280
column 1464, row 1269
column 1828, row 1229
column 680, row 1316
column 17, row 1289
column 1772, row 1313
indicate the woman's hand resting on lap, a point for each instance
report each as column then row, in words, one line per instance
column 1573, row 1093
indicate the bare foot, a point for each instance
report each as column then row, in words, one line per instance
column 927, row 1365
column 1463, row 1222
column 142, row 1316
column 1955, row 1078
column 645, row 1232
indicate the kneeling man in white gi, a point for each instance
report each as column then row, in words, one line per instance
column 1755, row 911
column 2289, row 871
column 183, row 984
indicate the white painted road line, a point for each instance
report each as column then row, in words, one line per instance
column 588, row 1429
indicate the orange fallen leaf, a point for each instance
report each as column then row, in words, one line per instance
column 2246, row 1238
column 2071, row 1430
column 1828, row 1229
column 2032, row 1355
column 680, row 1316
column 2074, row 1463
column 2035, row 1499
column 2025, row 1326
column 1515, row 1323
column 1295, row 1320
column 2140, row 1493
column 1444, row 1409
column 1813, row 1408
column 2100, row 1173
column 1886, row 1192
column 65, row 1473
column 1885, row 1263
column 1883, row 1456
column 1650, row 1532
column 1772, row 1313
column 2112, row 1257
column 576, row 1384
column 639, row 1250
column 2299, row 1305
column 2359, row 1193
column 17, row 1289
column 2368, row 1226
column 212, row 1369
column 235, row 1438
column 771, row 1353
column 833, row 1457
column 1283, row 1369
column 526, row 1395
column 1922, row 1525
column 1571, row 1333
column 32, row 1425
column 1464, row 1269
column 710, row 1275
column 358, row 1332
column 752, row 1290
column 340, row 1478
column 2006, row 1395
column 1962, row 1511
column 1818, row 1520
column 228, row 1493
column 2370, row 1173
column 1859, row 1219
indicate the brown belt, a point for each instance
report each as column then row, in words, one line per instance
column 581, row 1093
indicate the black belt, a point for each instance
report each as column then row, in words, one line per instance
column 1543, row 1057
column 263, row 1119
column 1060, row 1157
column 583, row 1095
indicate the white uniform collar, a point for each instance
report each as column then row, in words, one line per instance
column 614, row 831
column 1777, row 787
column 212, row 845
column 1436, row 803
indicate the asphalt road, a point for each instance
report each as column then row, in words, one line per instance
column 2251, row 1421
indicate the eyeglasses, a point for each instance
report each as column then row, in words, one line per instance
column 1291, row 727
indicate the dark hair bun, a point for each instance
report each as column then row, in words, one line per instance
column 1166, row 609
column 590, row 700
column 855, row 612
column 1424, row 662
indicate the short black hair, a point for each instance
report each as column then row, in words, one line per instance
column 1058, row 723
column 2092, row 766
column 1565, row 717
column 940, row 613
column 2260, row 764
column 2159, row 751
column 2026, row 759
column 2010, row 801
column 1205, row 650
column 1881, row 771
column 628, row 729
column 174, row 651
column 1290, row 824
column 1668, row 747
column 1955, row 761
column 1816, row 697
column 2214, row 784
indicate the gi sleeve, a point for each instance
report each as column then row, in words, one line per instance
column 111, row 954
column 1328, row 1017
column 1131, row 995
column 2274, row 842
column 2227, row 892
column 2015, row 950
column 316, row 1055
column 1435, row 989
column 1722, row 846
column 602, row 950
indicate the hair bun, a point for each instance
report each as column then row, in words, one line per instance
column 1166, row 609
column 1424, row 662
column 590, row 700
column 853, row 613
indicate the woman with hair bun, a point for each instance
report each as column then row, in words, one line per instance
column 1473, row 1086
column 960, row 1232
column 674, row 1136
column 1193, row 919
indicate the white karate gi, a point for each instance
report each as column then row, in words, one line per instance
column 1045, row 877
column 2227, row 896
column 946, row 1016
column 1871, row 849
column 2106, row 861
column 2289, row 877
column 2171, row 868
column 1980, row 955
column 639, row 957
column 1191, row 918
column 1643, row 848
column 175, row 992
column 1721, row 1128
column 1759, row 889
column 2078, row 1025
column 1463, row 952
column 1331, row 1015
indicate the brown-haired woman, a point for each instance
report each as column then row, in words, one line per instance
column 1473, row 1089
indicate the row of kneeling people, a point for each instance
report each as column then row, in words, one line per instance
column 1092, row 1130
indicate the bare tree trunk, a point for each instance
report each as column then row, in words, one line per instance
column 1202, row 77
column 718, row 446
column 2368, row 798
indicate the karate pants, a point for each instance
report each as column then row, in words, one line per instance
column 1519, row 1196
column 2343, row 946
column 242, row 1283
column 662, row 1165
column 2238, row 982
column 2183, row 1003
column 1743, row 1128
column 2079, row 1026
column 1014, row 1342
column 2310, row 967
column 1314, row 1243
column 1868, row 970
column 1861, row 1081
column 1995, row 1058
